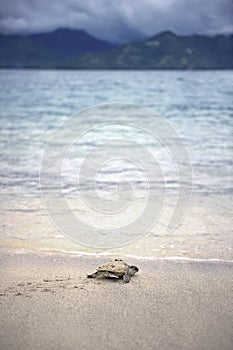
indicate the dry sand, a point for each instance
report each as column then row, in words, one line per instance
column 47, row 302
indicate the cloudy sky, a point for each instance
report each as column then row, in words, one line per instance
column 117, row 20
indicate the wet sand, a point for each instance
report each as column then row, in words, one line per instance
column 205, row 233
column 47, row 302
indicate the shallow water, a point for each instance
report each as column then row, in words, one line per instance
column 199, row 106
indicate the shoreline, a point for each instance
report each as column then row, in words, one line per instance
column 47, row 302
column 205, row 233
column 109, row 255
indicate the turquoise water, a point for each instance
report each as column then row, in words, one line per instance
column 198, row 104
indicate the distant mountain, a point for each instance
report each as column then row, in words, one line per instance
column 66, row 48
column 68, row 42
column 164, row 51
column 51, row 49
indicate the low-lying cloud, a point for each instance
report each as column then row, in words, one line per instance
column 117, row 21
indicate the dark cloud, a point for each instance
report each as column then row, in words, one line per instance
column 117, row 20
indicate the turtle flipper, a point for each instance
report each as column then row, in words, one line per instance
column 93, row 275
column 111, row 275
column 103, row 274
column 131, row 272
column 127, row 277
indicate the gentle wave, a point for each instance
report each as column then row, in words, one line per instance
column 136, row 257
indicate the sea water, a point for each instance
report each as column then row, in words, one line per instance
column 198, row 104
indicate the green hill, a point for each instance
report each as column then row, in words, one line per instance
column 66, row 48
column 164, row 51
column 47, row 50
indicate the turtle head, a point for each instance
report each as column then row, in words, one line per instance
column 133, row 269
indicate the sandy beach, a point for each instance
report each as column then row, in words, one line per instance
column 47, row 302
column 116, row 179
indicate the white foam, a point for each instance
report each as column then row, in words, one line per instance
column 138, row 257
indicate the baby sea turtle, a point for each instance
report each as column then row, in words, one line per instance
column 115, row 269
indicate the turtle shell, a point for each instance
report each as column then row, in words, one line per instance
column 117, row 267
